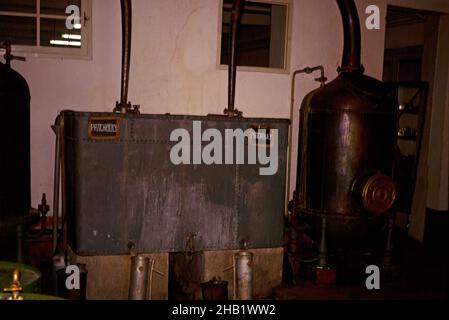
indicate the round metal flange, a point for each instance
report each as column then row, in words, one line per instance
column 379, row 194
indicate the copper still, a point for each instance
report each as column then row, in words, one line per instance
column 347, row 138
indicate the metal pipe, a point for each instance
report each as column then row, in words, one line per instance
column 352, row 37
column 139, row 278
column 244, row 275
column 322, row 81
column 56, row 181
column 63, row 194
column 234, row 279
column 231, row 111
column 126, row 8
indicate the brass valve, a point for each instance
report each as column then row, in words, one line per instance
column 15, row 288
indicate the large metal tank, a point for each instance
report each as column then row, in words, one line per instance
column 346, row 145
column 123, row 189
column 15, row 194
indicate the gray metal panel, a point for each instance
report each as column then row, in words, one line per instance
column 127, row 190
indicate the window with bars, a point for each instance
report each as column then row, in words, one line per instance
column 39, row 26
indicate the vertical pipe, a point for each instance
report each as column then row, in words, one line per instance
column 56, row 180
column 20, row 243
column 322, row 81
column 139, row 278
column 233, row 48
column 244, row 275
column 126, row 8
column 352, row 36
column 234, row 278
column 63, row 205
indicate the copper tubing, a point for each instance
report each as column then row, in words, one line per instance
column 233, row 49
column 322, row 79
column 351, row 60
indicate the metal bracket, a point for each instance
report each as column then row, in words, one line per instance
column 189, row 248
column 152, row 271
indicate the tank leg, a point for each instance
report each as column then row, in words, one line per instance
column 20, row 243
column 388, row 246
column 322, row 262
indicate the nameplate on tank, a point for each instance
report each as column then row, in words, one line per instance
column 262, row 136
column 103, row 128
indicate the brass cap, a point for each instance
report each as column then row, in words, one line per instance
column 379, row 194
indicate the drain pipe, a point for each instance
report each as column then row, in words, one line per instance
column 139, row 278
column 243, row 275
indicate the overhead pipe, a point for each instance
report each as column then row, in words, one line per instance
column 124, row 106
column 236, row 15
column 351, row 60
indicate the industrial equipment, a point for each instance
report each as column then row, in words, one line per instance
column 15, row 190
column 347, row 139
column 122, row 193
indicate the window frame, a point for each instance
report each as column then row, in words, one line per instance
column 38, row 51
column 288, row 40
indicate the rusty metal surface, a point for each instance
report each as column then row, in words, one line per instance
column 127, row 190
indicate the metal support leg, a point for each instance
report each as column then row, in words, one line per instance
column 20, row 244
column 322, row 262
column 389, row 246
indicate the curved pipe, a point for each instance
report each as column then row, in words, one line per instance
column 126, row 47
column 352, row 37
column 126, row 7
column 322, row 80
column 233, row 47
